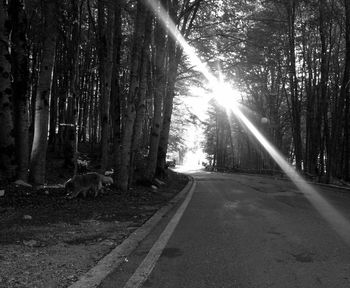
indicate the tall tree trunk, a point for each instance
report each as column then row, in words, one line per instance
column 72, row 113
column 293, row 81
column 54, row 112
column 174, row 59
column 39, row 148
column 313, row 133
column 133, row 90
column 323, row 105
column 115, row 92
column 19, row 56
column 33, row 84
column 346, row 156
column 141, row 95
column 346, row 90
column 106, row 38
column 159, row 92
column 7, row 140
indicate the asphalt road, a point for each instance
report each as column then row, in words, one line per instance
column 249, row 231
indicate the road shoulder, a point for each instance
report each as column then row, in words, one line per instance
column 119, row 255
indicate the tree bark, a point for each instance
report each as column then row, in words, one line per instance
column 141, row 95
column 39, row 148
column 159, row 92
column 115, row 93
column 72, row 113
column 7, row 140
column 174, row 59
column 20, row 72
column 293, row 81
column 323, row 105
column 133, row 90
column 54, row 112
column 106, row 38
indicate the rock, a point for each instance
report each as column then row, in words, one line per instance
column 2, row 193
column 27, row 217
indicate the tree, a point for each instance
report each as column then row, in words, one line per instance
column 159, row 85
column 7, row 140
column 106, row 37
column 116, row 97
column 70, row 128
column 20, row 72
column 145, row 74
column 130, row 116
column 345, row 90
column 295, row 103
column 39, row 148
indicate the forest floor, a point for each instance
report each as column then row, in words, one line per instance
column 48, row 240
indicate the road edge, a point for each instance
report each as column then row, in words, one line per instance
column 118, row 255
column 146, row 267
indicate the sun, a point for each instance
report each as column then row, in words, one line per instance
column 221, row 91
column 225, row 95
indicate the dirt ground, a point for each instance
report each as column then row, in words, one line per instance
column 47, row 240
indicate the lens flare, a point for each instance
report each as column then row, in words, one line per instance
column 226, row 96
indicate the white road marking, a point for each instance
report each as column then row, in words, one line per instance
column 145, row 269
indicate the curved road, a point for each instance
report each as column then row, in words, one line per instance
column 249, row 231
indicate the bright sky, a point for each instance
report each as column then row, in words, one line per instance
column 197, row 103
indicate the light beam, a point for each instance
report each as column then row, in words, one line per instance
column 225, row 95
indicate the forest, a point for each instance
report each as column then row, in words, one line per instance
column 292, row 60
column 105, row 78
